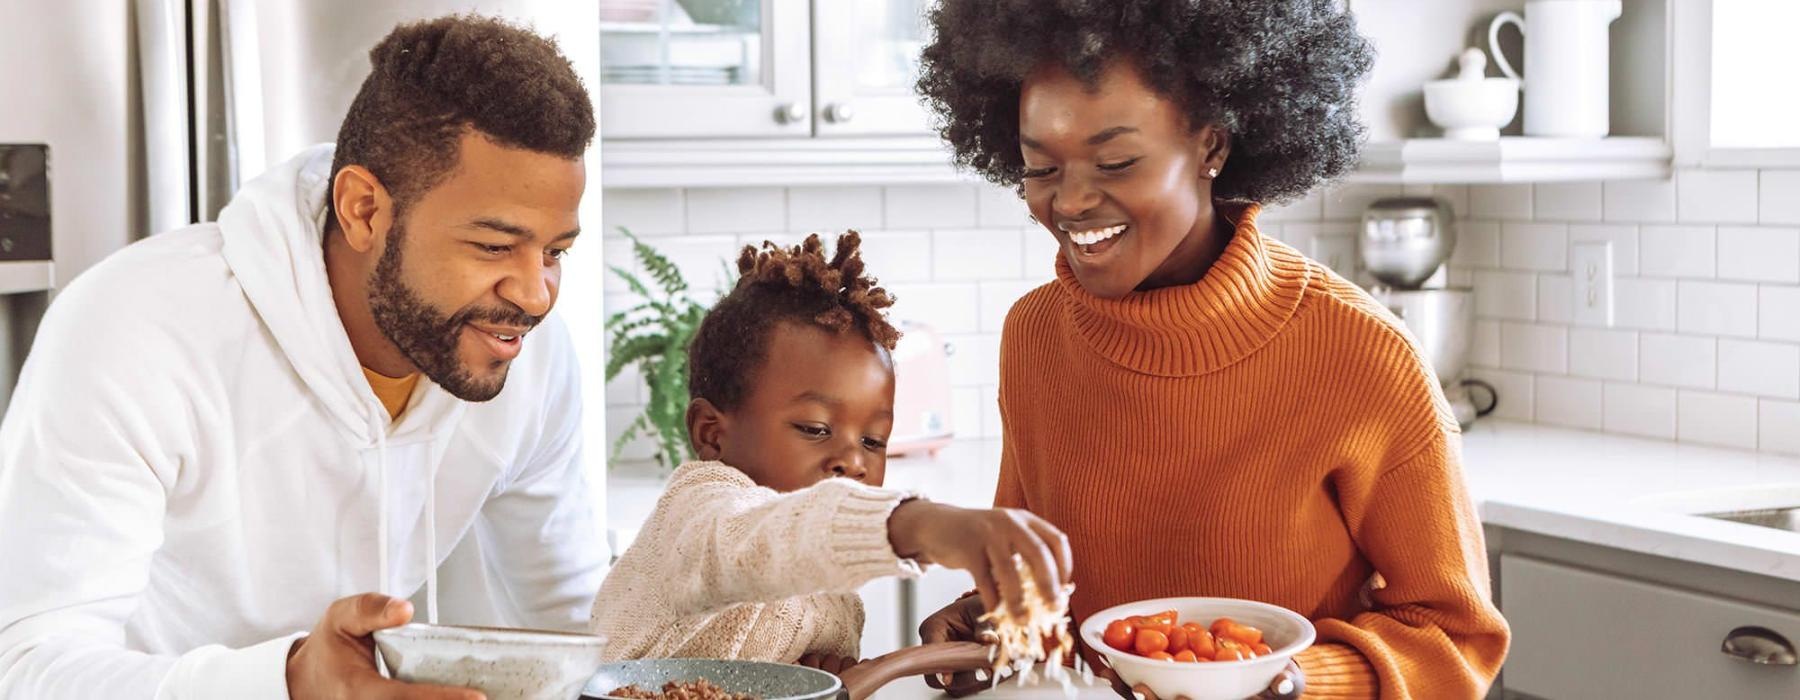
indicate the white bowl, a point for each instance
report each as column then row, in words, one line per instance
column 1285, row 631
column 1472, row 110
column 506, row 664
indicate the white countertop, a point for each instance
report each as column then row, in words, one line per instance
column 1630, row 493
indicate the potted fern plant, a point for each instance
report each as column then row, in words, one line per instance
column 655, row 335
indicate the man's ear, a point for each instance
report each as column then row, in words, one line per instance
column 1213, row 146
column 365, row 211
column 706, row 426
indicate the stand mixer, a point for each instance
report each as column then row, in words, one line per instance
column 1404, row 243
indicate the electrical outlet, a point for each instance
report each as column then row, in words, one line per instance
column 1337, row 253
column 1591, row 266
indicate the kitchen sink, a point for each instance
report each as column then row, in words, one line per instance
column 1777, row 518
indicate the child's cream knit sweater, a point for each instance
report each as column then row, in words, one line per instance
column 728, row 569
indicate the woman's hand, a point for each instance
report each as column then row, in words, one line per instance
column 834, row 665
column 957, row 622
column 1291, row 684
column 987, row 544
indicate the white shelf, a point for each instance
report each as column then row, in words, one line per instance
column 777, row 162
column 27, row 276
column 1514, row 159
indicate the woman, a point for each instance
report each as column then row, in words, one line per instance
column 1200, row 408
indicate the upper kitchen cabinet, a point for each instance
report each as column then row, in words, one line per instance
column 790, row 92
column 705, row 68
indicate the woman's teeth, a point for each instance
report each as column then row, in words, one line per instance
column 1096, row 235
column 504, row 338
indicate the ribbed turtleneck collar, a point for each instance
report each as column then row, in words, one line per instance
column 1243, row 301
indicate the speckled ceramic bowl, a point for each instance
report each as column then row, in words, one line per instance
column 506, row 664
column 769, row 681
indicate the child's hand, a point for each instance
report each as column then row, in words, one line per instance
column 984, row 543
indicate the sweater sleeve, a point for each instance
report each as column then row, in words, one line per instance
column 1433, row 630
column 718, row 540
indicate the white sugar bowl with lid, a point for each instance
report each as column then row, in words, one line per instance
column 1472, row 107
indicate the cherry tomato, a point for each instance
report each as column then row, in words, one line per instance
column 1230, row 651
column 1261, row 649
column 1178, row 640
column 1229, row 628
column 1166, row 617
column 1150, row 642
column 1149, row 623
column 1119, row 635
column 1186, row 656
column 1161, row 656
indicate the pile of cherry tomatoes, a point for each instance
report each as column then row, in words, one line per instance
column 1163, row 636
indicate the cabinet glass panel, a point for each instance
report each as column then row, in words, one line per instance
column 682, row 42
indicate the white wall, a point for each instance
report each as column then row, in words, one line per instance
column 1706, row 348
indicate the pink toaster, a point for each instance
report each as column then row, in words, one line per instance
column 922, row 421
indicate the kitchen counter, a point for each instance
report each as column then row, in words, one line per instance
column 1629, row 493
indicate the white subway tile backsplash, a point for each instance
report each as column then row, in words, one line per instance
column 1567, row 201
column 1676, row 251
column 1603, row 354
column 997, row 298
column 930, row 206
column 628, row 388
column 1535, row 348
column 1510, row 202
column 1778, row 313
column 1763, row 369
column 1513, row 392
column 1759, row 254
column 1717, row 308
column 1636, row 409
column 703, row 260
column 966, row 369
column 1001, row 207
column 1639, row 200
column 1778, row 426
column 1506, row 295
column 738, row 210
column 897, row 256
column 1041, row 250
column 615, row 250
column 991, row 423
column 1569, row 402
column 1484, row 350
column 1308, row 208
column 647, row 212
column 1624, row 239
column 1675, row 360
column 948, row 308
column 1647, row 304
column 1477, row 244
column 1706, row 346
column 1543, row 247
column 1717, row 196
column 1717, row 419
column 1347, row 201
column 1556, row 294
column 965, row 412
column 1780, row 197
column 977, row 254
column 832, row 210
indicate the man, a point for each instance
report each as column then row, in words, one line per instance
column 221, row 430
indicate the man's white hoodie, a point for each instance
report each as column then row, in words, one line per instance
column 191, row 470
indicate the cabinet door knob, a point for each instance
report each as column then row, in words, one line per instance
column 1759, row 645
column 790, row 113
column 839, row 113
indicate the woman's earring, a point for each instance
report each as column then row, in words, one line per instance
column 1212, row 172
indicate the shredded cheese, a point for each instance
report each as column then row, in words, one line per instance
column 1040, row 638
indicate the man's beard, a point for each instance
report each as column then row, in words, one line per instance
column 429, row 339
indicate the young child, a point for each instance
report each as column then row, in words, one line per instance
column 756, row 551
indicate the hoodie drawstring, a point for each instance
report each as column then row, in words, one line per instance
column 431, row 579
column 381, row 509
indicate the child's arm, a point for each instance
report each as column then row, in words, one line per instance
column 720, row 540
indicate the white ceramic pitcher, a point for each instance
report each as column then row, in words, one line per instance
column 1566, row 79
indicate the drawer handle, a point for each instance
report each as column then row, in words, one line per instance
column 1759, row 645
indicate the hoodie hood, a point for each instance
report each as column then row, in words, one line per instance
column 273, row 232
